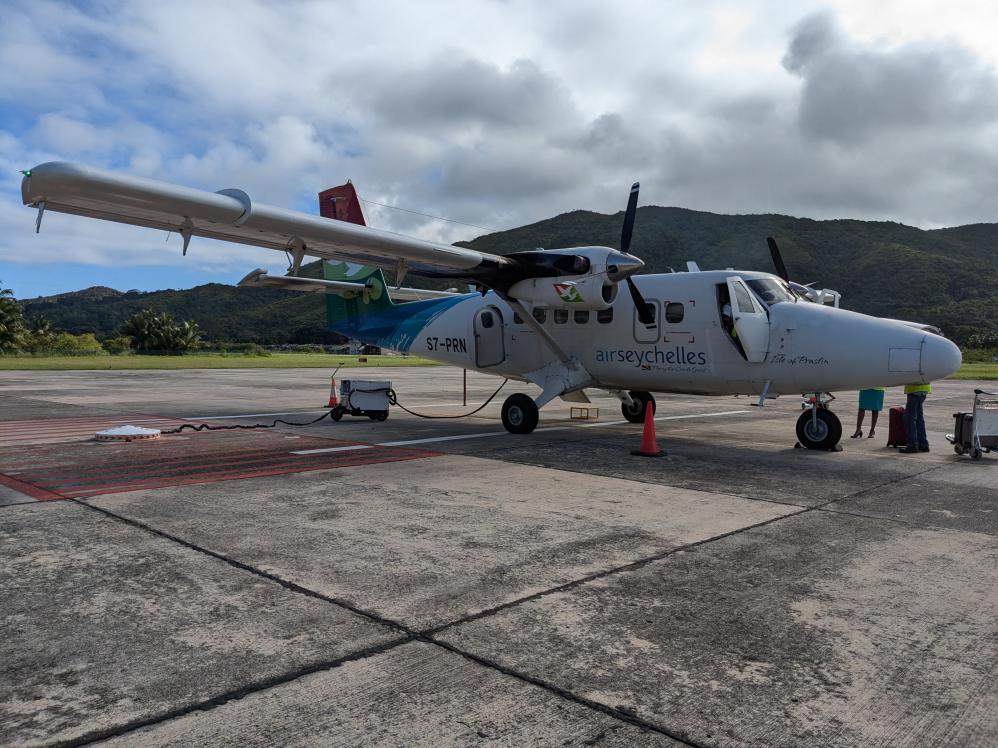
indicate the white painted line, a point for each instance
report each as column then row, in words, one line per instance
column 458, row 437
column 438, row 405
column 455, row 437
column 351, row 448
column 667, row 418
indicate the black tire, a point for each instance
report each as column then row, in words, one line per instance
column 336, row 413
column 519, row 414
column 636, row 414
column 958, row 448
column 378, row 415
column 825, row 436
column 976, row 454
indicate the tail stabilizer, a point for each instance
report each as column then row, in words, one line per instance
column 351, row 305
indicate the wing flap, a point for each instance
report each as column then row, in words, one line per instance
column 260, row 279
column 234, row 217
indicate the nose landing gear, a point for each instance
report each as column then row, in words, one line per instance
column 818, row 427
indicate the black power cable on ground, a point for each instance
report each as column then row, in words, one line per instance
column 392, row 399
column 207, row 427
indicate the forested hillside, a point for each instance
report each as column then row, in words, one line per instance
column 947, row 277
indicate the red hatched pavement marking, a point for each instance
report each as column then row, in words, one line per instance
column 82, row 469
column 58, row 430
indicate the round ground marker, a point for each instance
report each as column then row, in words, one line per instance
column 126, row 434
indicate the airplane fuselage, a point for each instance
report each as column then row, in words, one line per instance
column 808, row 347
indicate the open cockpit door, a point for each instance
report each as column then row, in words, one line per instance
column 751, row 320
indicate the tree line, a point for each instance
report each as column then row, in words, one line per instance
column 146, row 332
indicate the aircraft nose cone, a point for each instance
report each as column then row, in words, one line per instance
column 940, row 358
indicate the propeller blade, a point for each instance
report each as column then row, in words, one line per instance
column 628, row 227
column 644, row 314
column 774, row 251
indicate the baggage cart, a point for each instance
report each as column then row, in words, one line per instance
column 977, row 432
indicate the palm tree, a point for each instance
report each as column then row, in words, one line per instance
column 159, row 332
column 12, row 333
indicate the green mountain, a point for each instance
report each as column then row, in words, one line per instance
column 947, row 277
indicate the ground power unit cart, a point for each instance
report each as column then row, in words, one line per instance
column 976, row 432
column 363, row 397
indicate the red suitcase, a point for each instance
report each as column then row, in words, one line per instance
column 896, row 436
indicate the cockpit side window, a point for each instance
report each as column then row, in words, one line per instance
column 771, row 291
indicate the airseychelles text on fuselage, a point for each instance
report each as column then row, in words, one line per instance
column 680, row 355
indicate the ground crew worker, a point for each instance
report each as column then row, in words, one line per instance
column 914, row 418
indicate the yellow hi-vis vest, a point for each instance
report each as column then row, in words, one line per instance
column 909, row 388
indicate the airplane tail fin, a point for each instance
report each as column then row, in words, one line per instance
column 343, row 204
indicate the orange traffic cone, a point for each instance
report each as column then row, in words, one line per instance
column 333, row 399
column 649, row 446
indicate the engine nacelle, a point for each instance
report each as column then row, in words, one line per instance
column 594, row 292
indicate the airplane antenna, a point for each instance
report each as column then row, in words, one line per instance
column 427, row 215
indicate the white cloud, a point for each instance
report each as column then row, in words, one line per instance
column 502, row 113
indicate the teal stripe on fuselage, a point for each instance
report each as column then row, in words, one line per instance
column 397, row 327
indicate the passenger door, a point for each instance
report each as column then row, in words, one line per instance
column 751, row 320
column 490, row 349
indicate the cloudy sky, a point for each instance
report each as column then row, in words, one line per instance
column 492, row 113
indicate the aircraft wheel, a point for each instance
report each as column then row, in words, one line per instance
column 519, row 414
column 824, row 434
column 636, row 413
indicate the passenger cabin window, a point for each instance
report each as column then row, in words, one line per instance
column 487, row 320
column 560, row 316
column 581, row 317
column 674, row 312
column 517, row 318
column 605, row 316
column 539, row 314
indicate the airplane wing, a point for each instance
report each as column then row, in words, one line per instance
column 231, row 215
column 260, row 279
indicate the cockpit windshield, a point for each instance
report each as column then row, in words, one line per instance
column 771, row 290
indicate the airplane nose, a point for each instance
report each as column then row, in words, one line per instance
column 940, row 358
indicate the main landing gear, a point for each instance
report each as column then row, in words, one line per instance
column 818, row 427
column 635, row 410
column 519, row 414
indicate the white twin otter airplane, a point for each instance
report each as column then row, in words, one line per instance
column 551, row 317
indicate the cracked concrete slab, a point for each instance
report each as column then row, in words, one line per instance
column 104, row 624
column 436, row 540
column 414, row 695
column 962, row 495
column 702, row 459
column 820, row 629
